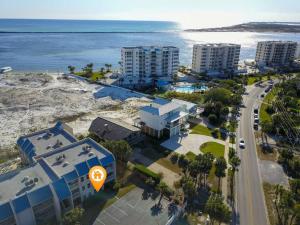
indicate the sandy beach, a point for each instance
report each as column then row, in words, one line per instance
column 31, row 101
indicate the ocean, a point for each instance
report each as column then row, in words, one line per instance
column 52, row 45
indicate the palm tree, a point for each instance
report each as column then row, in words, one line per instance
column 162, row 187
column 193, row 168
column 234, row 162
column 221, row 167
column 205, row 165
column 71, row 69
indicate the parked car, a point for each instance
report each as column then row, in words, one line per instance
column 242, row 143
column 255, row 126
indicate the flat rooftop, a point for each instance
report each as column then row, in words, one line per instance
column 17, row 182
column 46, row 140
column 73, row 155
column 218, row 45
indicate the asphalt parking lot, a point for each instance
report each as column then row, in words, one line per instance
column 134, row 209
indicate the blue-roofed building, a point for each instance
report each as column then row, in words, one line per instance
column 34, row 145
column 55, row 181
column 6, row 214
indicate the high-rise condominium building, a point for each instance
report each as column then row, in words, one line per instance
column 143, row 65
column 275, row 53
column 215, row 57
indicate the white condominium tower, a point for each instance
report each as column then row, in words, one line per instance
column 215, row 57
column 275, row 53
column 144, row 65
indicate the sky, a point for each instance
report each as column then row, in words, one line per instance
column 189, row 13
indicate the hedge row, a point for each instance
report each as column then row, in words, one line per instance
column 145, row 171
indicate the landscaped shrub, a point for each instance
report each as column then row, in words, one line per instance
column 146, row 172
column 117, row 186
column 212, row 118
column 174, row 157
column 150, row 181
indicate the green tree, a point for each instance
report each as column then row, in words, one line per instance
column 205, row 165
column 71, row 69
column 188, row 188
column 234, row 162
column 88, row 70
column 217, row 210
column 287, row 209
column 121, row 149
column 163, row 188
column 221, row 167
column 73, row 217
column 218, row 95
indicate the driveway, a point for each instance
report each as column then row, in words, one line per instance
column 273, row 173
column 135, row 208
column 189, row 143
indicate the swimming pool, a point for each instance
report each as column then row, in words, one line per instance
column 189, row 89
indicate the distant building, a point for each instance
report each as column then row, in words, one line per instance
column 297, row 55
column 275, row 53
column 145, row 65
column 215, row 58
column 115, row 130
column 56, row 179
column 163, row 118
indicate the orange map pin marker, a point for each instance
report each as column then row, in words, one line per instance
column 97, row 175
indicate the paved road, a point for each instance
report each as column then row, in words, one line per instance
column 250, row 205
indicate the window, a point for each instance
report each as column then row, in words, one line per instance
column 87, row 176
column 88, row 185
column 83, row 188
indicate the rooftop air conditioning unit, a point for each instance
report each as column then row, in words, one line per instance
column 91, row 154
column 65, row 164
column 60, row 158
column 86, row 149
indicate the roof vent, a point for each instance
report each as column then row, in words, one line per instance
column 26, row 178
column 29, row 183
column 106, row 126
column 91, row 154
column 86, row 149
column 60, row 158
column 58, row 143
column 35, row 179
column 65, row 164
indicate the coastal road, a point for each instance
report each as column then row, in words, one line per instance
column 250, row 204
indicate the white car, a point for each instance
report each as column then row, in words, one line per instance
column 255, row 116
column 242, row 143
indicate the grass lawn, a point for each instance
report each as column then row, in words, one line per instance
column 212, row 179
column 190, row 155
column 269, row 191
column 263, row 115
column 95, row 76
column 215, row 148
column 252, row 80
column 161, row 159
column 203, row 130
column 165, row 162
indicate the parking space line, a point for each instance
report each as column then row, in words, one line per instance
column 122, row 211
column 112, row 216
column 98, row 220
